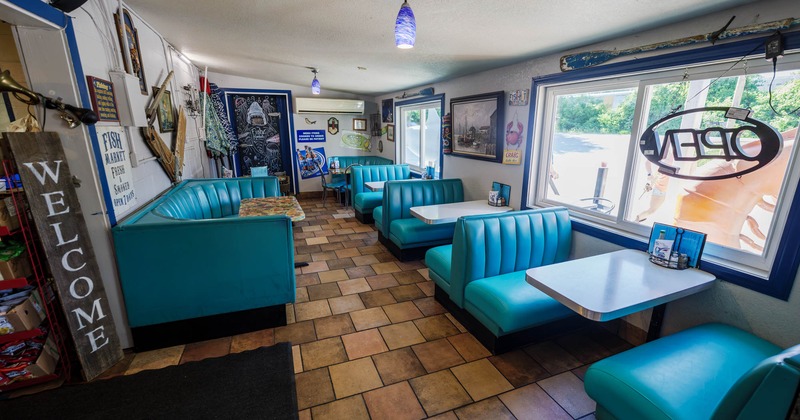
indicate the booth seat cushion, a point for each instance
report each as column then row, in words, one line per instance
column 438, row 262
column 365, row 202
column 377, row 214
column 681, row 376
column 415, row 232
column 507, row 303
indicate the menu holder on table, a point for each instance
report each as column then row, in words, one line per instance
column 500, row 195
column 677, row 248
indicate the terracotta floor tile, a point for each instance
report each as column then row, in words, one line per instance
column 361, row 271
column 302, row 258
column 354, row 377
column 314, row 267
column 307, row 249
column 307, row 279
column 206, row 349
column 435, row 327
column 349, row 287
column 532, row 403
column 290, row 315
column 317, row 354
column 437, row 355
column 343, row 304
column 439, row 392
column 348, row 408
column 252, row 340
column 401, row 335
column 401, row 312
column 312, row 228
column 428, row 287
column 369, row 318
column 297, row 358
column 365, row 260
column 382, row 281
column 363, row 343
column 581, row 371
column 336, row 246
column 304, row 414
column 298, row 333
column 347, row 231
column 314, row 309
column 481, row 379
column 362, row 228
column 324, row 255
column 490, row 408
column 411, row 265
column 386, row 267
column 385, row 257
column 424, row 273
column 350, row 252
column 323, row 291
column 455, row 322
column 429, row 306
column 313, row 388
column 155, row 359
column 552, row 357
column 333, row 326
column 372, row 249
column 407, row 292
column 567, row 390
column 340, row 263
column 301, row 294
column 408, row 277
column 317, row 241
column 608, row 340
column 519, row 368
column 448, row 415
column 119, row 368
column 354, row 244
column 332, row 276
column 468, row 347
column 377, row 298
column 398, row 365
column 582, row 347
column 396, row 401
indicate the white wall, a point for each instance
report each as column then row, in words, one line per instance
column 773, row 319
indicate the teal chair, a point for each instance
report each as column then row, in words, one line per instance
column 337, row 186
column 259, row 171
column 711, row 371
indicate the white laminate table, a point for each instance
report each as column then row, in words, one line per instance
column 448, row 213
column 374, row 185
column 609, row 286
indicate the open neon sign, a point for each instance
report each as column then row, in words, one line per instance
column 694, row 144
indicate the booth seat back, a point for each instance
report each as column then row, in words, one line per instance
column 400, row 196
column 362, row 174
column 214, row 198
column 345, row 161
column 490, row 245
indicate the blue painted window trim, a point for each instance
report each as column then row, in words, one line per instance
column 784, row 269
column 43, row 10
column 421, row 99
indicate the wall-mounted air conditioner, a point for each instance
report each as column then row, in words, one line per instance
column 328, row 106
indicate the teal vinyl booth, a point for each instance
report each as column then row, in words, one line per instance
column 712, row 371
column 480, row 277
column 191, row 269
column 364, row 200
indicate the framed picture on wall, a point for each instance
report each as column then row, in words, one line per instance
column 390, row 132
column 166, row 116
column 477, row 126
column 387, row 110
column 359, row 124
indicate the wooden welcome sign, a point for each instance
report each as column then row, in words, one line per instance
column 51, row 195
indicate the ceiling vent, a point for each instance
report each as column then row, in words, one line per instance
column 329, row 106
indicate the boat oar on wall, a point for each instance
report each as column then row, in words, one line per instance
column 423, row 92
column 593, row 58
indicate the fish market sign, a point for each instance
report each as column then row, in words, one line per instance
column 716, row 142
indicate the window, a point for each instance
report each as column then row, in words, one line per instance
column 419, row 132
column 589, row 157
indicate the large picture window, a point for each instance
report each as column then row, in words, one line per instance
column 419, row 125
column 589, row 157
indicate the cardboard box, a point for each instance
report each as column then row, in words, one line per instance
column 46, row 362
column 8, row 214
column 23, row 317
column 16, row 267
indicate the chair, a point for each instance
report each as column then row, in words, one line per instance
column 348, row 189
column 337, row 186
column 259, row 171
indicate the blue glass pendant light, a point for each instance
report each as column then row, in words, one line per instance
column 315, row 83
column 405, row 29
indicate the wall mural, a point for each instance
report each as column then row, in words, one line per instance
column 257, row 127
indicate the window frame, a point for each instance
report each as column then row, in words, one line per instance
column 781, row 276
column 400, row 133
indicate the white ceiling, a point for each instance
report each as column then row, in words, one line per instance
column 277, row 40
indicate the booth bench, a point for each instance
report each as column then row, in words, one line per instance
column 191, row 269
column 711, row 371
column 364, row 201
column 406, row 236
column 480, row 278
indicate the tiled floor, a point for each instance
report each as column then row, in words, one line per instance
column 371, row 342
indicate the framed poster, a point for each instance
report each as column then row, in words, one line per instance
column 133, row 51
column 390, row 132
column 101, row 93
column 477, row 126
column 166, row 117
column 387, row 110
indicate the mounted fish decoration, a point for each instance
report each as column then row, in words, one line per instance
column 423, row 92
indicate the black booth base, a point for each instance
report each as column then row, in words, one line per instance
column 407, row 254
column 499, row 345
column 169, row 334
column 366, row 219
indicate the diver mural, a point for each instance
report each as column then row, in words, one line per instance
column 258, row 131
